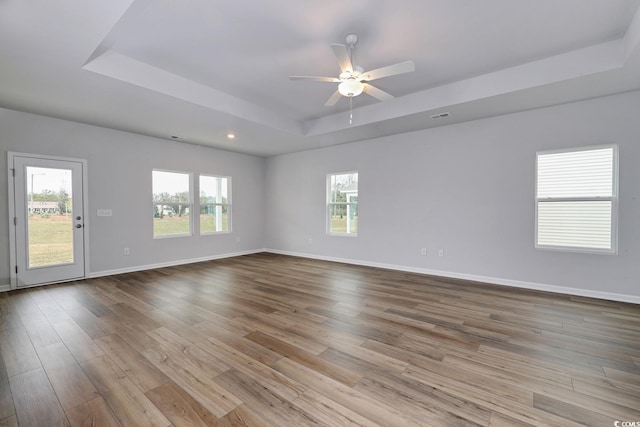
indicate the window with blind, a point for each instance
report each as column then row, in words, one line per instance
column 576, row 200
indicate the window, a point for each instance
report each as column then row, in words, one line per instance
column 172, row 204
column 342, row 203
column 215, row 204
column 576, row 199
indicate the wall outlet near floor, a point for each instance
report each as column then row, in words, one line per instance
column 440, row 252
column 127, row 251
column 310, row 241
column 423, row 251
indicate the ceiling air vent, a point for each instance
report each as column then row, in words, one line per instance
column 440, row 116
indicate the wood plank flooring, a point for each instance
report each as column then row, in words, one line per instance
column 271, row 340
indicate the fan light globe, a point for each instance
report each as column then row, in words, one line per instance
column 350, row 88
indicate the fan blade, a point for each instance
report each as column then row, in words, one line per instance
column 333, row 100
column 378, row 94
column 316, row 79
column 390, row 70
column 340, row 51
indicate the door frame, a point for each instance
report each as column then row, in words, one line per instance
column 12, row 214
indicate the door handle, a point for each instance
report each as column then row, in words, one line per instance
column 78, row 225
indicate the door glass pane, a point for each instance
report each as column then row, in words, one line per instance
column 50, row 216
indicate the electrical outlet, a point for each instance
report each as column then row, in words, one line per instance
column 440, row 252
column 126, row 251
column 310, row 241
column 423, row 251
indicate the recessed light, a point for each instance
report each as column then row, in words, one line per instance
column 231, row 135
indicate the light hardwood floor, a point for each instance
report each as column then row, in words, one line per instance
column 270, row 340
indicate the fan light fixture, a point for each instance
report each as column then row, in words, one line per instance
column 351, row 87
column 352, row 80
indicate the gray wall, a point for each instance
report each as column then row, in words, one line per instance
column 467, row 189
column 119, row 177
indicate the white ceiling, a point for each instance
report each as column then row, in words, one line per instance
column 199, row 69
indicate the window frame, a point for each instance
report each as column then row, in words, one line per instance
column 190, row 206
column 614, row 199
column 329, row 204
column 228, row 205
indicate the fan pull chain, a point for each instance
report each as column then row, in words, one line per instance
column 351, row 110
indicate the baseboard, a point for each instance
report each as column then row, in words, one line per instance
column 103, row 273
column 476, row 278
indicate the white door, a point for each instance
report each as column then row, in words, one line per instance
column 49, row 220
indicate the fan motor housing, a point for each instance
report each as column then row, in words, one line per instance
column 351, row 39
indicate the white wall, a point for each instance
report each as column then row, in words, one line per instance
column 119, row 177
column 468, row 189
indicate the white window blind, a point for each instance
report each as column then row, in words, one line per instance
column 576, row 199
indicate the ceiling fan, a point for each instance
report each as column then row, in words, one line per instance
column 353, row 80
